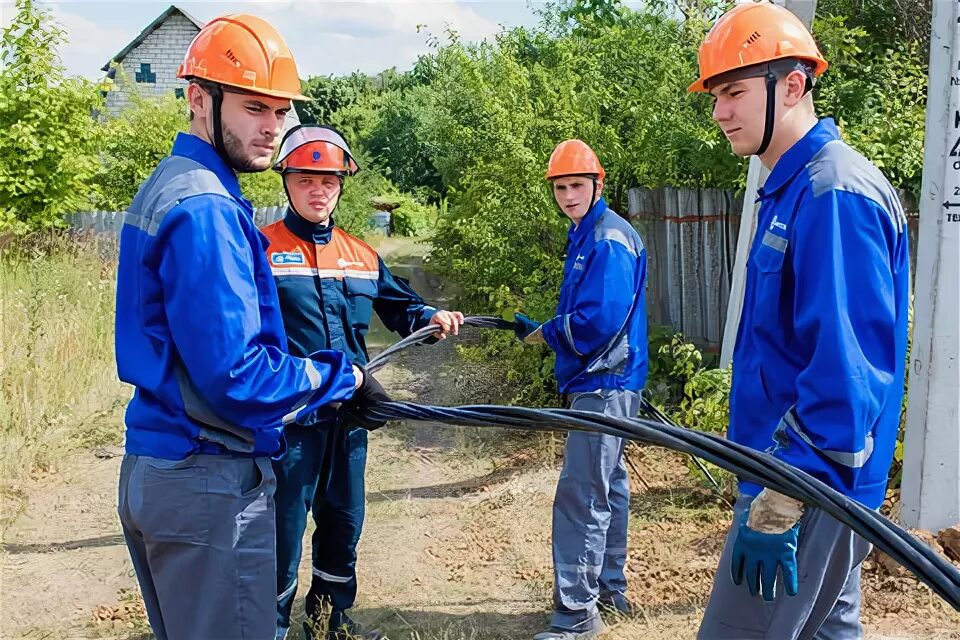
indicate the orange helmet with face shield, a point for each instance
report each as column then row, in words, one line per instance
column 574, row 158
column 314, row 148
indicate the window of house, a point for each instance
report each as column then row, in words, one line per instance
column 178, row 92
column 145, row 75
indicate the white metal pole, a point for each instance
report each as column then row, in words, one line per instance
column 756, row 176
column 931, row 467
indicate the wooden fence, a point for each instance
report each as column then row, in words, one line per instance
column 691, row 239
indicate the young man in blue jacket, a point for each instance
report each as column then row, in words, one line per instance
column 600, row 338
column 818, row 366
column 330, row 283
column 200, row 338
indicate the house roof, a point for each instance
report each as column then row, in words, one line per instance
column 150, row 29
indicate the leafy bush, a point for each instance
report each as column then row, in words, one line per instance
column 47, row 132
column 672, row 363
column 409, row 216
column 398, row 145
column 263, row 189
column 693, row 395
column 356, row 203
column 877, row 92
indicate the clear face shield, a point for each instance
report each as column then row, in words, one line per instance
column 303, row 137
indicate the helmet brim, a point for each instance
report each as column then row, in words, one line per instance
column 254, row 91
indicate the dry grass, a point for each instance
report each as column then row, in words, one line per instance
column 58, row 384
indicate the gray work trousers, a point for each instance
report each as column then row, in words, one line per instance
column 827, row 606
column 590, row 514
column 202, row 538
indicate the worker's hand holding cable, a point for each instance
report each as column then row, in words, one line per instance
column 766, row 544
column 527, row 329
column 369, row 394
column 448, row 321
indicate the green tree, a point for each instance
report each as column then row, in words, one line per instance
column 581, row 15
column 330, row 95
column 327, row 96
column 876, row 88
column 398, row 145
column 888, row 22
column 263, row 189
column 47, row 132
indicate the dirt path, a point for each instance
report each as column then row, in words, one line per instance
column 456, row 545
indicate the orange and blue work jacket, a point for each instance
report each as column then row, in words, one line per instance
column 330, row 283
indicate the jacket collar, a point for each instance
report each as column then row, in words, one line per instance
column 202, row 152
column 587, row 223
column 798, row 156
column 306, row 230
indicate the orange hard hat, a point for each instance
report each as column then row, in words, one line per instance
column 245, row 52
column 574, row 158
column 754, row 33
column 314, row 148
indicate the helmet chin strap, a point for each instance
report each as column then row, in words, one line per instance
column 771, row 83
column 216, row 94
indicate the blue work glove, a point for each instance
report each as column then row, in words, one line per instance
column 523, row 326
column 758, row 556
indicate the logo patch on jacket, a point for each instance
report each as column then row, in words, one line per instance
column 293, row 257
column 776, row 224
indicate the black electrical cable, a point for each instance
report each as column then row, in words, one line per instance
column 931, row 568
column 492, row 322
column 429, row 332
column 762, row 468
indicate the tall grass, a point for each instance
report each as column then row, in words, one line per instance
column 58, row 384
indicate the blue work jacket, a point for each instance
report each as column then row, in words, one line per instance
column 198, row 328
column 600, row 331
column 818, row 365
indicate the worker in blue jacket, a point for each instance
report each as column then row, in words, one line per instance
column 599, row 335
column 818, row 366
column 200, row 338
column 330, row 283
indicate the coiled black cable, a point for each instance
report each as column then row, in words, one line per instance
column 762, row 468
